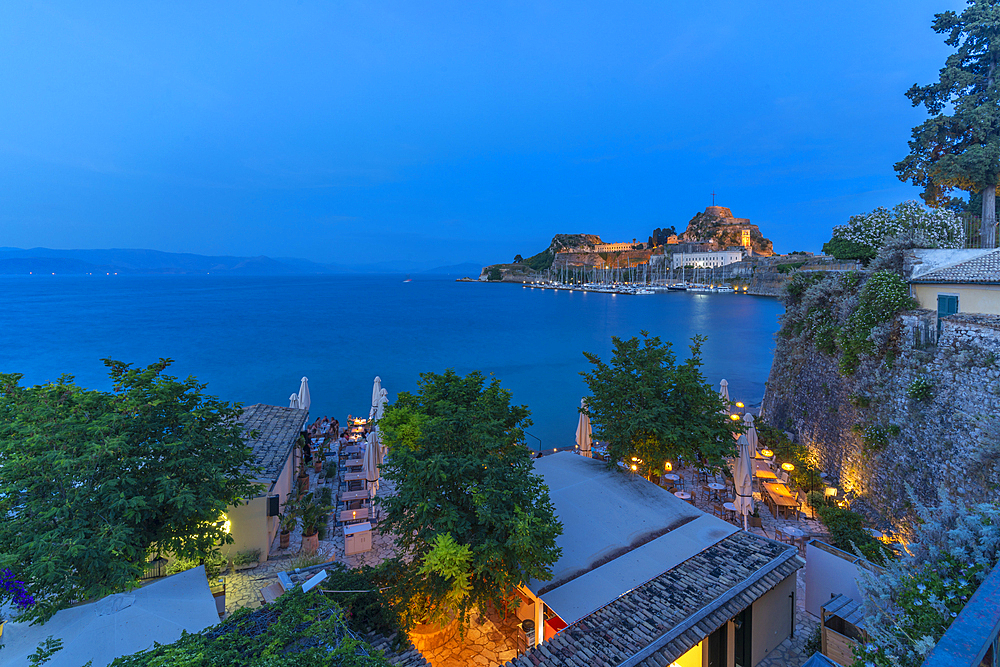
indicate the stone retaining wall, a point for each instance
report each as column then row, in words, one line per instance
column 949, row 440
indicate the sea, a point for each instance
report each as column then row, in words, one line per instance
column 252, row 339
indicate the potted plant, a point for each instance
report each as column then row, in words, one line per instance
column 287, row 521
column 755, row 520
column 303, row 477
column 312, row 513
column 13, row 590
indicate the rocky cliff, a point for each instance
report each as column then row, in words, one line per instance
column 716, row 224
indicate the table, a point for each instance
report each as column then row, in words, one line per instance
column 792, row 531
column 764, row 474
column 355, row 463
column 347, row 496
column 683, row 495
column 352, row 449
column 780, row 499
column 715, row 486
column 672, row 477
column 353, row 476
column 354, row 515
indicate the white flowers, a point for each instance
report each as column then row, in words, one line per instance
column 940, row 227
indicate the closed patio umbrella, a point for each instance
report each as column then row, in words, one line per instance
column 369, row 465
column 293, row 401
column 743, row 480
column 751, row 434
column 724, row 395
column 583, row 431
column 304, row 400
column 376, row 392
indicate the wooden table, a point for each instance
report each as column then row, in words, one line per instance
column 352, row 449
column 764, row 474
column 780, row 499
column 347, row 496
column 353, row 476
column 354, row 515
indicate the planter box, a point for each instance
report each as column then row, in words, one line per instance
column 219, row 593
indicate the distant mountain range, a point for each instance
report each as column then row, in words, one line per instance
column 18, row 261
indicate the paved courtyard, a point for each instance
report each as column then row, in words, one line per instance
column 491, row 641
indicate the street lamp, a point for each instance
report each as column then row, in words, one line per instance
column 787, row 467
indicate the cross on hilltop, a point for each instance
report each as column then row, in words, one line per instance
column 713, row 197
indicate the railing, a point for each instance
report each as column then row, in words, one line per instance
column 974, row 237
column 536, row 438
column 971, row 639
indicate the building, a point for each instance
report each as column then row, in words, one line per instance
column 706, row 260
column 614, row 247
column 647, row 579
column 955, row 281
column 254, row 524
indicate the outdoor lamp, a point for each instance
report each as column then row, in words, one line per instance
column 766, row 453
column 667, row 466
column 735, row 418
column 633, row 467
column 739, row 405
column 787, row 467
column 831, row 491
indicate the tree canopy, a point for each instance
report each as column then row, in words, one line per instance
column 469, row 510
column 647, row 407
column 959, row 145
column 92, row 482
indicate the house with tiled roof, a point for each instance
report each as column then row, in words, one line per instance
column 645, row 578
column 272, row 432
column 955, row 281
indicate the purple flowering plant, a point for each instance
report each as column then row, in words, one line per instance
column 13, row 590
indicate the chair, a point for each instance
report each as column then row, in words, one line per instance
column 693, row 497
column 705, row 491
column 703, row 475
column 783, row 477
column 718, row 510
column 781, row 537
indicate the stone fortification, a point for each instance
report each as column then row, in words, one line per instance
column 877, row 432
column 717, row 225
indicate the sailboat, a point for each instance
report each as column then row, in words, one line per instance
column 408, row 279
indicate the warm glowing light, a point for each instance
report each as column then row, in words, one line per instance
column 766, row 453
column 735, row 418
column 667, row 466
column 633, row 467
column 831, row 491
column 787, row 467
column 739, row 405
column 634, row 458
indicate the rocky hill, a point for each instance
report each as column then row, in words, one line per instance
column 717, row 225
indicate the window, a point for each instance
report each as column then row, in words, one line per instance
column 947, row 305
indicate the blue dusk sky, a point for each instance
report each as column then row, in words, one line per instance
column 359, row 132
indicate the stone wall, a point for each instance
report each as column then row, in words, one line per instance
column 948, row 441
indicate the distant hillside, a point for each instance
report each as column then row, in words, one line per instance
column 717, row 225
column 14, row 261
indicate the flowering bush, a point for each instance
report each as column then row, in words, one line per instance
column 910, row 605
column 939, row 227
column 13, row 590
column 883, row 295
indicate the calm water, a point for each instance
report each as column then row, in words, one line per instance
column 252, row 339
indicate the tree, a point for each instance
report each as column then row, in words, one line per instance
column 469, row 512
column 494, row 274
column 93, row 482
column 518, row 259
column 646, row 406
column 961, row 149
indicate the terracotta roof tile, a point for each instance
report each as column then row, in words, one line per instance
column 654, row 624
column 277, row 430
column 982, row 269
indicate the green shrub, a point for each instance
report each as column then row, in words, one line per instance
column 790, row 267
column 844, row 249
column 246, row 557
column 214, row 566
column 817, row 499
column 296, row 629
column 493, row 274
column 920, row 389
column 884, row 295
column 848, row 532
column 326, row 496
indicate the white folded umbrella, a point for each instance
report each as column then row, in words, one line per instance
column 304, row 399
